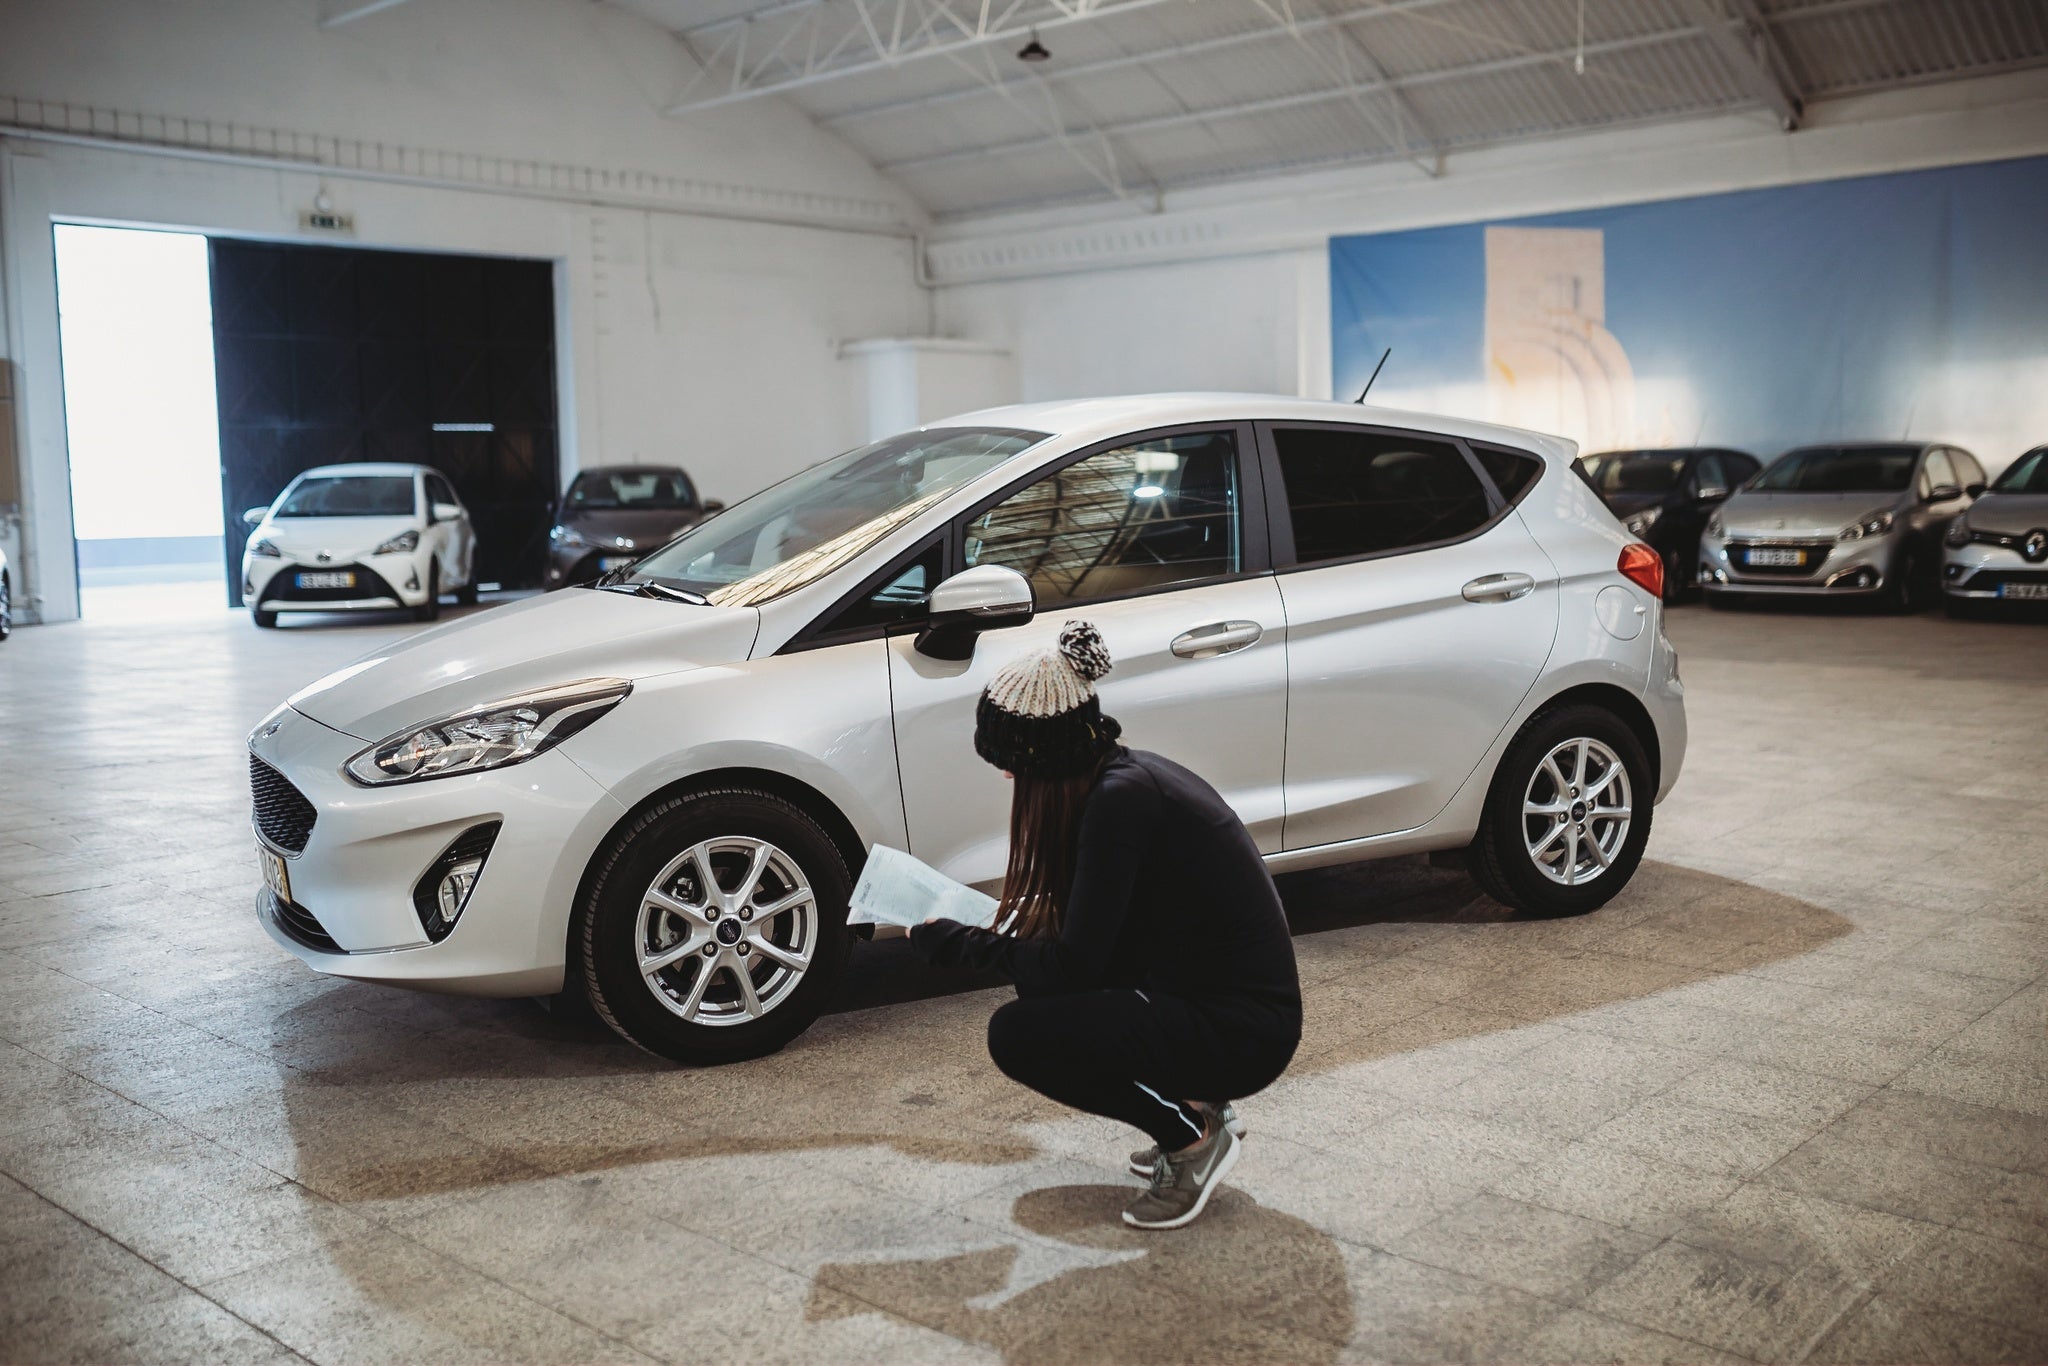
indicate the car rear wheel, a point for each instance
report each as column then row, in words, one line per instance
column 715, row 928
column 431, row 608
column 1568, row 814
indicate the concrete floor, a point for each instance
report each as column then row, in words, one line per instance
column 1785, row 1099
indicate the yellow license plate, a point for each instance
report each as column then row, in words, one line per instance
column 275, row 875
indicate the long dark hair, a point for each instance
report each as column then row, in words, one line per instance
column 1045, row 837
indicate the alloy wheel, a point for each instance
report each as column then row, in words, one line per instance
column 1576, row 811
column 726, row 931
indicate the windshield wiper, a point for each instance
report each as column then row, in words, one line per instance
column 649, row 589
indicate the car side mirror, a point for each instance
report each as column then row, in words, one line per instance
column 712, row 505
column 255, row 516
column 1941, row 493
column 447, row 512
column 1713, row 493
column 1974, row 490
column 987, row 597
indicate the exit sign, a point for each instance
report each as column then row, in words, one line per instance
column 326, row 220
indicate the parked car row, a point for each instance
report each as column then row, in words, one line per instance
column 1894, row 522
column 387, row 536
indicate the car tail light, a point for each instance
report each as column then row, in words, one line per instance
column 1642, row 565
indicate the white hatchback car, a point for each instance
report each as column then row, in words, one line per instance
column 342, row 537
column 1375, row 632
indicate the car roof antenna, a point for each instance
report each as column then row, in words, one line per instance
column 1375, row 375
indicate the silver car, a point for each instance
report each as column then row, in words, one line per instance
column 1998, row 550
column 1862, row 519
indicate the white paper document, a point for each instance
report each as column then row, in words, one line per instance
column 896, row 889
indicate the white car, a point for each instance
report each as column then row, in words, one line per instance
column 1375, row 632
column 342, row 537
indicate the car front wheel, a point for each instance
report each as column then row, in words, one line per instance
column 715, row 927
column 430, row 610
column 1568, row 814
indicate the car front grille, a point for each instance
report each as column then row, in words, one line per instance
column 1816, row 556
column 283, row 815
column 302, row 925
column 284, row 585
column 1987, row 580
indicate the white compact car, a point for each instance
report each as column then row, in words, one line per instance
column 1374, row 632
column 342, row 537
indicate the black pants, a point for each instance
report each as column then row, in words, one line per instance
column 1138, row 1056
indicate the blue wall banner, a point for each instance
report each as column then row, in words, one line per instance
column 1912, row 305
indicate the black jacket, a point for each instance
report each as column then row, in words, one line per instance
column 1170, row 895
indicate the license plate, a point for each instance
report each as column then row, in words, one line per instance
column 275, row 875
column 2029, row 591
column 1790, row 559
column 611, row 562
column 330, row 579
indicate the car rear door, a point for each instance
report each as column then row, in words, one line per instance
column 1420, row 611
column 1159, row 539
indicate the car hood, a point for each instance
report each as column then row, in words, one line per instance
column 2009, row 513
column 341, row 539
column 536, row 643
column 641, row 530
column 1799, row 514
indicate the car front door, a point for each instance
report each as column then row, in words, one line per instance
column 456, row 547
column 1159, row 540
column 1419, row 613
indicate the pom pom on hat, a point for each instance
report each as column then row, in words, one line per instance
column 1040, row 716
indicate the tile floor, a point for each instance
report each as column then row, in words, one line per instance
column 1786, row 1099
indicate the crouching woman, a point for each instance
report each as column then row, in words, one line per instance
column 1155, row 976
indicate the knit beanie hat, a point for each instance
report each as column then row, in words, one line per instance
column 1040, row 716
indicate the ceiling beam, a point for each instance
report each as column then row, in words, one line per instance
column 1746, row 40
column 1086, row 144
column 1401, row 129
column 335, row 13
column 802, row 43
column 1324, row 95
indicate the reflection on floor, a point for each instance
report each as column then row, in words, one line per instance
column 1787, row 1098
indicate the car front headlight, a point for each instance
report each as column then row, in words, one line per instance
column 494, row 736
column 404, row 543
column 1641, row 522
column 1715, row 527
column 1874, row 524
column 1958, row 532
column 565, row 536
column 266, row 548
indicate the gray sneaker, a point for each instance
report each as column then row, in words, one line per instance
column 1182, row 1185
column 1145, row 1159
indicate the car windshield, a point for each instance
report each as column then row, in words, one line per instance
column 349, row 495
column 1840, row 469
column 1634, row 471
column 803, row 528
column 2028, row 474
column 647, row 490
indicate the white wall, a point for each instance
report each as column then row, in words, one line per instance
column 1228, row 287
column 706, row 270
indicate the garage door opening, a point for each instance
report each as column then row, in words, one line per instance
column 136, row 327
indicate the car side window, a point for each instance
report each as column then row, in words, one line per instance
column 1968, row 471
column 1141, row 517
column 1710, row 473
column 439, row 491
column 1352, row 493
column 1514, row 473
column 899, row 598
column 1935, row 472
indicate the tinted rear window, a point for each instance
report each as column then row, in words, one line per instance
column 1840, row 469
column 1353, row 493
column 1514, row 473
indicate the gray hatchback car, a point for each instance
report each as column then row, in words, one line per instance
column 1997, row 552
column 1862, row 519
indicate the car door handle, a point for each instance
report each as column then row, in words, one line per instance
column 1217, row 638
column 1499, row 588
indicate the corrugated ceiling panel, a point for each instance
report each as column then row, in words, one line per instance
column 1834, row 49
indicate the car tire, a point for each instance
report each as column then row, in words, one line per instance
column 430, row 610
column 1902, row 595
column 648, row 897
column 1726, row 602
column 1510, row 857
column 266, row 620
column 465, row 596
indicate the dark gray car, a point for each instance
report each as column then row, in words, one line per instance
column 614, row 514
column 1997, row 552
column 1848, row 519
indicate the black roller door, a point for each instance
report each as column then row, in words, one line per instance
column 324, row 355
